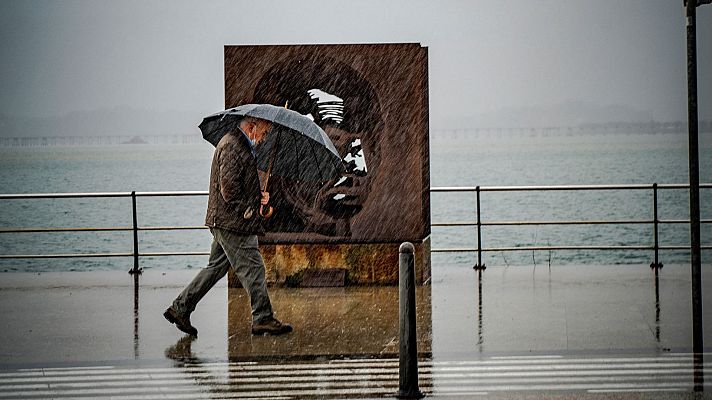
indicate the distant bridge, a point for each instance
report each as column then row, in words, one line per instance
column 652, row 127
column 45, row 141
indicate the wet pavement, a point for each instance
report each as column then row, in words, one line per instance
column 516, row 332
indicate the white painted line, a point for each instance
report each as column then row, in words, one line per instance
column 572, row 367
column 278, row 370
column 88, row 378
column 555, row 380
column 670, row 389
column 549, row 361
column 142, row 373
column 326, row 382
column 98, row 367
column 13, row 395
column 167, row 392
column 603, row 372
column 248, row 378
column 23, row 387
column 435, row 393
column 526, row 357
column 16, row 374
column 179, row 396
column 555, row 387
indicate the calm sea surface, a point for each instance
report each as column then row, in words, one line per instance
column 484, row 159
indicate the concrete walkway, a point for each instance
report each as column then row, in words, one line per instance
column 505, row 332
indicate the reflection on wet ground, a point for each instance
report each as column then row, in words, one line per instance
column 287, row 379
column 329, row 323
column 524, row 310
column 518, row 332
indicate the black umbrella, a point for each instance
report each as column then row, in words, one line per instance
column 296, row 148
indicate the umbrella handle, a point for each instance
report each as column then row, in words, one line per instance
column 266, row 211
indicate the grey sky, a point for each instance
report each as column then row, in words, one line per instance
column 485, row 56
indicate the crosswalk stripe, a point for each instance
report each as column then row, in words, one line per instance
column 277, row 376
column 679, row 389
column 285, row 369
column 356, row 377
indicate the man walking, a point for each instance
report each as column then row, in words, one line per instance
column 233, row 218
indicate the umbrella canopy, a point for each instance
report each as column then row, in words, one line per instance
column 296, row 148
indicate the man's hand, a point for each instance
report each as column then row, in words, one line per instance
column 265, row 198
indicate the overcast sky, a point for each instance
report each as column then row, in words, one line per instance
column 485, row 56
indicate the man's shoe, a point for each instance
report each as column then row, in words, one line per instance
column 271, row 327
column 182, row 323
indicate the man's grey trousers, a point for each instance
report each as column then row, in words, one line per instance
column 230, row 249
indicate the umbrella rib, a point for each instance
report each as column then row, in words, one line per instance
column 318, row 164
column 298, row 160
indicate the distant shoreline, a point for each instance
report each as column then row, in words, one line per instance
column 435, row 133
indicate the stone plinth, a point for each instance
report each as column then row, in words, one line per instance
column 365, row 264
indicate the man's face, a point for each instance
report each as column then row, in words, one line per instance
column 257, row 130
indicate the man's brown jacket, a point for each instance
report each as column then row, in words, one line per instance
column 234, row 196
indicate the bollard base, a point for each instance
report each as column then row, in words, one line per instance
column 413, row 394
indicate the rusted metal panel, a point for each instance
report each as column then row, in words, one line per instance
column 372, row 100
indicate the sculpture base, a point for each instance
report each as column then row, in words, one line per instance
column 363, row 264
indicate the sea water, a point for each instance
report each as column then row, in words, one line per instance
column 484, row 159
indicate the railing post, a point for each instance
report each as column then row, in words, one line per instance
column 479, row 264
column 408, row 346
column 136, row 269
column 656, row 263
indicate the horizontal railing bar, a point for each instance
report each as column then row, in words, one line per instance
column 516, row 223
column 683, row 221
column 613, row 222
column 85, row 255
column 75, row 255
column 530, row 248
column 682, row 186
column 171, row 228
column 183, row 253
column 454, row 250
column 147, row 228
column 562, row 187
column 533, row 248
column 106, row 194
column 180, row 193
column 474, row 223
column 672, row 247
column 61, row 195
column 683, row 247
column 36, row 230
column 432, row 189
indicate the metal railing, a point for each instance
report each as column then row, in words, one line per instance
column 479, row 223
column 134, row 228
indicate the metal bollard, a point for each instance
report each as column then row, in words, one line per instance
column 408, row 388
